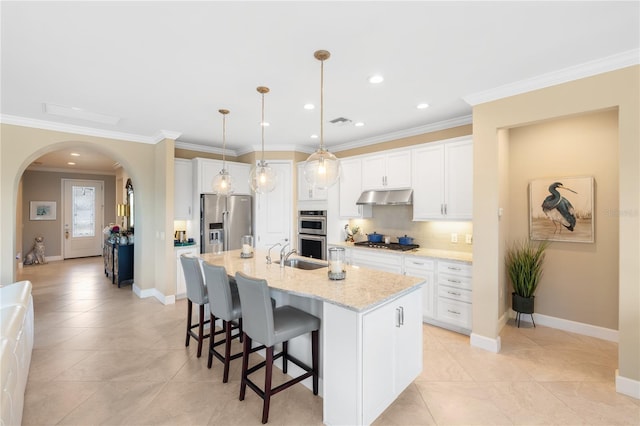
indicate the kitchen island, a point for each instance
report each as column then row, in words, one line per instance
column 371, row 331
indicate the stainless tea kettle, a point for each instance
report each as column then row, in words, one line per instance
column 180, row 236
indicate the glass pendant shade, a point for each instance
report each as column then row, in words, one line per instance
column 222, row 183
column 262, row 178
column 322, row 169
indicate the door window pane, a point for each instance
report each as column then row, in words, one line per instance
column 84, row 211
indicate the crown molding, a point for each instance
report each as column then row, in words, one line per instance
column 87, row 131
column 576, row 72
column 203, row 148
column 414, row 131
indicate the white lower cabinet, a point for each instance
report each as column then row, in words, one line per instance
column 367, row 258
column 392, row 342
column 181, row 286
column 454, row 295
column 424, row 268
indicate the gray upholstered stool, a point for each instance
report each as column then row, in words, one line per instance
column 224, row 303
column 196, row 293
column 271, row 326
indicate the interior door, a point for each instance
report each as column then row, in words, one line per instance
column 273, row 210
column 83, row 202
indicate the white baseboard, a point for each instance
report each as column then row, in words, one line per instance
column 486, row 343
column 627, row 386
column 153, row 292
column 52, row 258
column 571, row 326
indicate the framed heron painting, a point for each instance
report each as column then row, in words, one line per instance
column 561, row 209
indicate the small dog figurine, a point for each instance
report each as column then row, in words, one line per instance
column 36, row 255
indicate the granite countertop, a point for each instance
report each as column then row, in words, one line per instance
column 425, row 252
column 362, row 289
column 175, row 244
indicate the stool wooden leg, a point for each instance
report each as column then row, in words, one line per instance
column 314, row 359
column 189, row 312
column 267, row 385
column 246, row 347
column 211, row 342
column 285, row 352
column 200, row 330
column 227, row 351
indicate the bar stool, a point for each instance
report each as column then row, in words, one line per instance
column 224, row 303
column 196, row 293
column 271, row 326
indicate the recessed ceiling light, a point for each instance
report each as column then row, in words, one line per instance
column 375, row 79
column 422, row 106
column 71, row 163
column 359, row 124
column 314, row 136
column 75, row 154
column 309, row 106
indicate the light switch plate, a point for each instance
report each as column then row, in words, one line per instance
column 454, row 237
column 468, row 238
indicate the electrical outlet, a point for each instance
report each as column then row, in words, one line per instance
column 468, row 239
column 454, row 237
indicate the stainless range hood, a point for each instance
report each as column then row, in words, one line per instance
column 394, row 197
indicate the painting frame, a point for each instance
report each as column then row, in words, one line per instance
column 42, row 210
column 549, row 215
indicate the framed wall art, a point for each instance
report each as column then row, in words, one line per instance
column 42, row 210
column 562, row 209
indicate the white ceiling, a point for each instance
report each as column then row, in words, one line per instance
column 169, row 66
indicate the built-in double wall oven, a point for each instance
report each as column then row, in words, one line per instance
column 312, row 233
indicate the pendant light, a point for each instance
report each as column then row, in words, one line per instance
column 222, row 183
column 322, row 168
column 262, row 178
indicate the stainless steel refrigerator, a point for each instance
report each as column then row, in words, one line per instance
column 224, row 220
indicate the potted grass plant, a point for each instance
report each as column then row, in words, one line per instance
column 524, row 266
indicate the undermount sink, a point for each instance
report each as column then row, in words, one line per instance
column 302, row 264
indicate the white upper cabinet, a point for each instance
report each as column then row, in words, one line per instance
column 443, row 177
column 351, row 189
column 182, row 190
column 387, row 171
column 305, row 191
column 207, row 169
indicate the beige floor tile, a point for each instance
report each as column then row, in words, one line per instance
column 104, row 356
column 461, row 403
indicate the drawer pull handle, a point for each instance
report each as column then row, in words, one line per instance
column 453, row 312
column 453, row 268
column 418, row 263
column 454, row 293
column 453, row 281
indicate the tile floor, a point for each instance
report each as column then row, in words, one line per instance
column 104, row 356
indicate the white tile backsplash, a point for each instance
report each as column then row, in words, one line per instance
column 395, row 221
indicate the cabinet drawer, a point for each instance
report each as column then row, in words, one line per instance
column 454, row 281
column 418, row 264
column 457, row 313
column 455, row 293
column 453, row 268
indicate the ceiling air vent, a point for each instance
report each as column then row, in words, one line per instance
column 340, row 121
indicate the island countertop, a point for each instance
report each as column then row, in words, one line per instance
column 362, row 289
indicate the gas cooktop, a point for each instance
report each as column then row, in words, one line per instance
column 389, row 246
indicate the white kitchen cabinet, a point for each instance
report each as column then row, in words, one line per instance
column 181, row 286
column 392, row 339
column 443, row 174
column 424, row 268
column 351, row 189
column 305, row 191
column 454, row 284
column 183, row 189
column 380, row 260
column 391, row 170
column 207, row 169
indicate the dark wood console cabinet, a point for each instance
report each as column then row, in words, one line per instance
column 118, row 263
